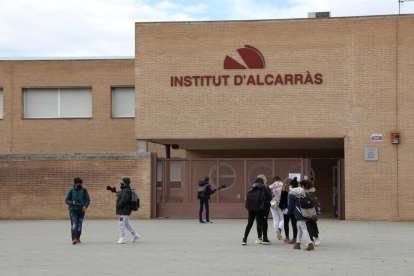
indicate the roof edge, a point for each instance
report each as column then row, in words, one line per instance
column 62, row 58
column 276, row 19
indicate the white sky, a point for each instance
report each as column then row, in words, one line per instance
column 76, row 28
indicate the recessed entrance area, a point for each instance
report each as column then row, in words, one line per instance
column 320, row 160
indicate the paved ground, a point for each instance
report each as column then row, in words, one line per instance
column 185, row 247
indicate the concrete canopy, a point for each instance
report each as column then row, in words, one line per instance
column 254, row 144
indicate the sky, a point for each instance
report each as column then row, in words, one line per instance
column 99, row 28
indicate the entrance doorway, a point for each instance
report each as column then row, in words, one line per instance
column 176, row 183
column 327, row 175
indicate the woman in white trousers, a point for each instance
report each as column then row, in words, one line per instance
column 277, row 214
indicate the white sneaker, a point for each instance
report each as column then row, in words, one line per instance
column 258, row 241
column 318, row 241
column 134, row 238
column 121, row 241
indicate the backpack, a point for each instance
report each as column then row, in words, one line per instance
column 307, row 209
column 134, row 203
column 317, row 205
column 254, row 200
column 202, row 192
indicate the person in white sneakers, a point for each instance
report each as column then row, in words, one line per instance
column 294, row 208
column 278, row 221
column 123, row 209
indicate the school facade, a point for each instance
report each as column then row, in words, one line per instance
column 328, row 99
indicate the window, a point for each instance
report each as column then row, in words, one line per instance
column 175, row 171
column 123, row 102
column 1, row 103
column 58, row 102
column 227, row 175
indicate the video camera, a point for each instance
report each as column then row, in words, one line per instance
column 222, row 187
column 112, row 189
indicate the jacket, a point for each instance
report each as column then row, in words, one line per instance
column 293, row 199
column 283, row 204
column 263, row 193
column 208, row 188
column 123, row 207
column 267, row 195
column 81, row 196
column 276, row 189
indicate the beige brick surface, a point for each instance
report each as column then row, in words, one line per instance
column 365, row 63
column 98, row 134
column 36, row 188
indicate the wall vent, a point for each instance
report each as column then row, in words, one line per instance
column 319, row 14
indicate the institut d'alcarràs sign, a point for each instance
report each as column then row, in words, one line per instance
column 253, row 59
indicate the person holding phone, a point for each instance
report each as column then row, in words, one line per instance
column 78, row 201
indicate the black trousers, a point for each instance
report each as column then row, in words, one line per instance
column 265, row 221
column 252, row 216
column 286, row 223
column 312, row 228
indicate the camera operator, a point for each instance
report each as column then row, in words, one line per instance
column 123, row 209
column 204, row 200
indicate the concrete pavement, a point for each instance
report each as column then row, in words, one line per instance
column 185, row 247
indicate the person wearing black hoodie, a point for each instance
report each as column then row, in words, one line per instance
column 123, row 209
column 258, row 215
column 204, row 201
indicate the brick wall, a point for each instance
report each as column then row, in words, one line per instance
column 99, row 134
column 402, row 190
column 35, row 188
column 365, row 63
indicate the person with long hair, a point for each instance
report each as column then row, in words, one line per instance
column 266, row 211
column 294, row 208
column 278, row 220
column 311, row 223
column 283, row 205
column 259, row 188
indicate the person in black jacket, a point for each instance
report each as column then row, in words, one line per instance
column 258, row 215
column 123, row 209
column 268, row 197
column 204, row 201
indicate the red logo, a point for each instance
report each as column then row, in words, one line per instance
column 251, row 57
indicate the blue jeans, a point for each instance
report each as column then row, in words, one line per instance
column 200, row 214
column 76, row 219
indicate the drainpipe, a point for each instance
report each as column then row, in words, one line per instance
column 167, row 151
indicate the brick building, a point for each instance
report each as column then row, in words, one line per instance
column 319, row 98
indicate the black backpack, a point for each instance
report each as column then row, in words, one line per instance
column 202, row 192
column 307, row 209
column 254, row 200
